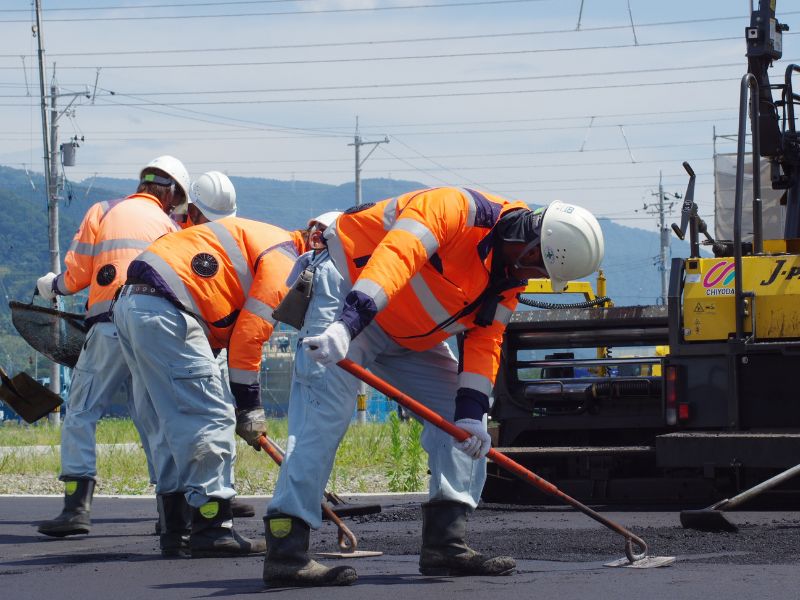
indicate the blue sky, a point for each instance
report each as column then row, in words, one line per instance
column 508, row 96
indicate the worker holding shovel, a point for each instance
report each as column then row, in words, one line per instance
column 208, row 287
column 418, row 269
column 110, row 236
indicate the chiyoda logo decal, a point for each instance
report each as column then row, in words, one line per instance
column 718, row 278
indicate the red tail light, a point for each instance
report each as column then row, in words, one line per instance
column 671, row 395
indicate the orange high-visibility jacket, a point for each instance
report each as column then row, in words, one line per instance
column 420, row 264
column 230, row 274
column 110, row 236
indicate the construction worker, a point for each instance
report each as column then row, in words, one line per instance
column 212, row 196
column 417, row 269
column 208, row 287
column 110, row 236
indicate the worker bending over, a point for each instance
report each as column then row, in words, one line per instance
column 212, row 196
column 208, row 287
column 110, row 236
column 418, row 269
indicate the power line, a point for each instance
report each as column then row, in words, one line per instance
column 396, row 58
column 529, row 166
column 375, row 42
column 141, row 6
column 285, row 13
column 430, row 83
column 396, row 125
column 408, row 96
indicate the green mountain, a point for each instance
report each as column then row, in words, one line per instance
column 629, row 265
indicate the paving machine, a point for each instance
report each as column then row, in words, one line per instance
column 714, row 409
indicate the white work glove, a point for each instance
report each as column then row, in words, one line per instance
column 45, row 286
column 330, row 346
column 251, row 425
column 479, row 444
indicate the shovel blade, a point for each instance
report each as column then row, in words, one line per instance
column 648, row 562
column 27, row 397
column 707, row 519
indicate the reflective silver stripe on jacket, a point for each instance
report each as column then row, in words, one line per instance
column 389, row 214
column 235, row 255
column 471, row 208
column 337, row 252
column 287, row 252
column 435, row 311
column 373, row 290
column 61, row 285
column 474, row 381
column 421, row 232
column 503, row 314
column 85, row 249
column 243, row 376
column 260, row 309
column 173, row 280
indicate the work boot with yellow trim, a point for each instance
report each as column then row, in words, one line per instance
column 213, row 534
column 444, row 549
column 238, row 510
column 74, row 519
column 287, row 563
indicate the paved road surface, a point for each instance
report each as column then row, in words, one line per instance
column 560, row 556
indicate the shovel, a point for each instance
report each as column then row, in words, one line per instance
column 346, row 540
column 27, row 397
column 712, row 519
column 337, row 504
column 635, row 558
column 57, row 335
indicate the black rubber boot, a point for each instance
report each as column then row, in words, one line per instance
column 239, row 510
column 74, row 519
column 444, row 551
column 175, row 518
column 287, row 563
column 213, row 534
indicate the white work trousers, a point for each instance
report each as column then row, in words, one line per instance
column 321, row 407
column 99, row 374
column 185, row 409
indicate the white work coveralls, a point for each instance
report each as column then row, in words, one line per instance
column 100, row 373
column 177, row 383
column 322, row 402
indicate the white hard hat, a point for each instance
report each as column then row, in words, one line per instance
column 326, row 219
column 571, row 242
column 213, row 193
column 172, row 167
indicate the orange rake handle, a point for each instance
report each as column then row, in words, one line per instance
column 498, row 457
column 346, row 539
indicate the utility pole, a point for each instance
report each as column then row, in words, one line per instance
column 51, row 163
column 361, row 398
column 51, row 183
column 358, row 142
column 661, row 210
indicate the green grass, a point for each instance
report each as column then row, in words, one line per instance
column 367, row 460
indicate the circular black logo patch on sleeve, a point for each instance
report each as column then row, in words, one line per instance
column 205, row 265
column 106, row 274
